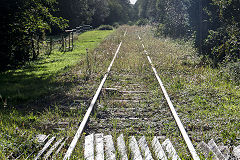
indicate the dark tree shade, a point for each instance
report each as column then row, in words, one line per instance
column 21, row 22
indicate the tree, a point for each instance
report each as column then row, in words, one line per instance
column 77, row 12
column 217, row 26
column 100, row 11
column 120, row 11
column 25, row 21
column 172, row 15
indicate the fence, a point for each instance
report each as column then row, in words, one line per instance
column 63, row 43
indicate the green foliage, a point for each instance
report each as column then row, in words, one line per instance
column 105, row 27
column 233, row 71
column 78, row 12
column 171, row 14
column 94, row 12
column 130, row 23
column 120, row 11
column 116, row 25
column 223, row 44
column 100, row 10
column 216, row 24
column 28, row 21
column 142, row 22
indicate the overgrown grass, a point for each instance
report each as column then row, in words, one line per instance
column 206, row 98
column 19, row 125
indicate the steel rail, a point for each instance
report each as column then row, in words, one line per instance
column 86, row 116
column 174, row 113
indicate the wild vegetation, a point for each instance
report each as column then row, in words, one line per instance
column 50, row 82
column 203, row 98
column 213, row 25
column 194, row 45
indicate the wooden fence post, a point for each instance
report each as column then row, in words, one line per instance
column 62, row 47
column 73, row 36
column 65, row 43
column 51, row 45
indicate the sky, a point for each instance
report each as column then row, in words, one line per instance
column 133, row 1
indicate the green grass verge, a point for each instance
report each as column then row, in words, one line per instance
column 37, row 78
column 19, row 126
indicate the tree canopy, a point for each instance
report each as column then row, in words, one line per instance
column 214, row 24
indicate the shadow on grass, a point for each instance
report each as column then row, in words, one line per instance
column 24, row 85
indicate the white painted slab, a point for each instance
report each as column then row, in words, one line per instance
column 99, row 146
column 136, row 154
column 89, row 147
column 236, row 152
column 158, row 150
column 206, row 150
column 59, row 149
column 224, row 150
column 41, row 138
column 109, row 148
column 212, row 145
column 53, row 148
column 145, row 149
column 122, row 148
column 167, row 145
column 44, row 148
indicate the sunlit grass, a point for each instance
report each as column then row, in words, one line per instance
column 19, row 126
column 37, row 78
column 206, row 100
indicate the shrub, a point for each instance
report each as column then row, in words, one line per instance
column 142, row 22
column 130, row 23
column 160, row 30
column 232, row 70
column 105, row 27
column 223, row 45
column 116, row 25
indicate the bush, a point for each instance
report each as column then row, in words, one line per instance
column 160, row 30
column 105, row 27
column 130, row 23
column 223, row 45
column 115, row 25
column 232, row 70
column 142, row 22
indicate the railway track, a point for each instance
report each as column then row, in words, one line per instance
column 130, row 117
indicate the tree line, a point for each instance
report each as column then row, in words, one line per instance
column 23, row 22
column 213, row 24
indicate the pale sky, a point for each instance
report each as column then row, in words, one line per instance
column 133, row 1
